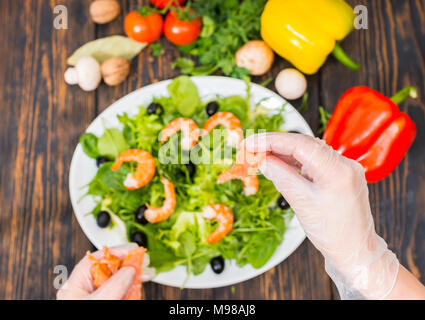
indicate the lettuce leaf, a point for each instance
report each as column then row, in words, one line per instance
column 184, row 95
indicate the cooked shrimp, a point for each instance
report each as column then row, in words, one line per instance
column 134, row 259
column 189, row 129
column 245, row 168
column 153, row 214
column 102, row 269
column 145, row 168
column 251, row 185
column 230, row 122
column 224, row 217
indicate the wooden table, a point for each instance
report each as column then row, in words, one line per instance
column 42, row 119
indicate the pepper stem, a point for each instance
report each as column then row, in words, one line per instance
column 405, row 93
column 340, row 55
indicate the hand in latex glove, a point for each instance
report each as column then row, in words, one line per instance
column 329, row 195
column 80, row 283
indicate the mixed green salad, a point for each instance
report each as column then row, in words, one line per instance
column 260, row 220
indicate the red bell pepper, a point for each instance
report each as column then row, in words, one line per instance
column 369, row 128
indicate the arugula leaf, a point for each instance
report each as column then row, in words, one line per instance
column 184, row 95
column 89, row 144
column 111, row 143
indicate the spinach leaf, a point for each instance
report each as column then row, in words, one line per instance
column 184, row 95
column 261, row 248
column 187, row 244
column 161, row 256
column 89, row 144
column 107, row 181
column 111, row 143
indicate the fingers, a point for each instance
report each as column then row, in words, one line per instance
column 148, row 274
column 286, row 179
column 116, row 286
column 119, row 251
column 313, row 154
column 80, row 282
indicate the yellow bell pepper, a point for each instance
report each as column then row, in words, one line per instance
column 305, row 32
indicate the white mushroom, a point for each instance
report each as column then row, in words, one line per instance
column 256, row 56
column 290, row 83
column 86, row 74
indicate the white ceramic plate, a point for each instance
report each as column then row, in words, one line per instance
column 83, row 169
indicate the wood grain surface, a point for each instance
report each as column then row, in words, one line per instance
column 42, row 119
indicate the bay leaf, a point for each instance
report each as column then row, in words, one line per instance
column 108, row 47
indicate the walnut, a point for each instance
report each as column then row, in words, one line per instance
column 115, row 70
column 104, row 11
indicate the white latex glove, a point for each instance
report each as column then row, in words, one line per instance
column 80, row 283
column 329, row 195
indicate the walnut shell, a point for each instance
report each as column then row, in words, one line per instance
column 115, row 70
column 104, row 11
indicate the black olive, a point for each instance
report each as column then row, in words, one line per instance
column 103, row 219
column 155, row 107
column 294, row 131
column 101, row 160
column 211, row 108
column 217, row 264
column 191, row 168
column 282, row 203
column 140, row 238
column 140, row 215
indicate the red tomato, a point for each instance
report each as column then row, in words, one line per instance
column 143, row 29
column 181, row 32
column 161, row 4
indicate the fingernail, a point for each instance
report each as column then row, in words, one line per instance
column 127, row 246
